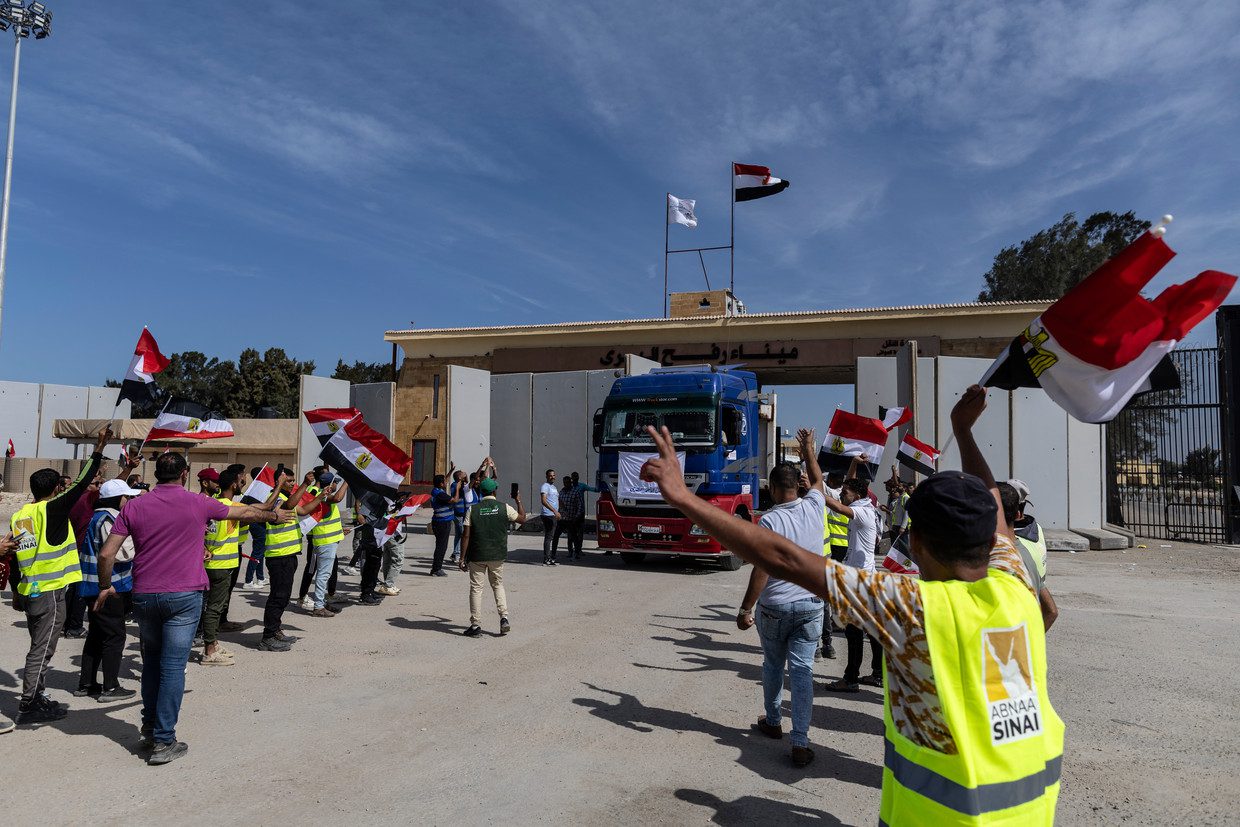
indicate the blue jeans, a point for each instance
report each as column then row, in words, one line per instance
column 790, row 633
column 459, row 529
column 324, row 559
column 166, row 624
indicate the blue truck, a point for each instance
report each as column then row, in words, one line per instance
column 715, row 417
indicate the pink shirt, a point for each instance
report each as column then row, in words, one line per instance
column 168, row 525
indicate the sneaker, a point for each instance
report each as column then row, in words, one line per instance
column 370, row 600
column 146, row 738
column 217, row 658
column 259, row 585
column 802, row 756
column 307, row 603
column 199, row 640
column 842, row 685
column 876, row 679
column 386, row 590
column 546, row 562
column 32, row 713
column 86, row 691
column 165, row 753
column 44, row 701
column 116, row 693
column 440, row 573
column 323, row 612
column 271, row 644
column 829, row 653
column 504, row 626
column 454, row 560
column 6, row 725
column 473, row 631
column 554, row 562
column 289, row 639
column 231, row 626
column 349, row 570
column 338, row 599
column 768, row 729
column 75, row 633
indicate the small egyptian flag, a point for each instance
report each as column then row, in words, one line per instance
column 750, row 182
column 917, row 455
column 183, row 419
column 894, row 417
column 897, row 560
column 848, row 436
column 325, row 422
column 11, row 451
column 315, row 517
column 396, row 521
column 260, row 487
column 366, row 459
column 1104, row 343
column 139, row 379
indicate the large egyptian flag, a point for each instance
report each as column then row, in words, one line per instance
column 183, row 419
column 396, row 521
column 917, row 455
column 325, row 422
column 140, row 378
column 1104, row 343
column 750, row 181
column 366, row 459
column 848, row 436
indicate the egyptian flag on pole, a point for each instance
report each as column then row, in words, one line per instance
column 147, row 361
column 314, row 517
column 366, row 459
column 10, row 451
column 397, row 521
column 183, row 419
column 917, row 455
column 260, row 487
column 750, row 182
column 850, row 435
column 897, row 559
column 1104, row 343
column 894, row 417
column 325, row 422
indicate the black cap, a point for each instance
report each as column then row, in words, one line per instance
column 954, row 506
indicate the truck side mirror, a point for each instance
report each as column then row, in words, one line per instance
column 596, row 434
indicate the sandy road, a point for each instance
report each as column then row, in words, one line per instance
column 626, row 695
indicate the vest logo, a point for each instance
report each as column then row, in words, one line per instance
column 194, row 425
column 1007, row 680
column 837, row 445
column 24, row 529
column 363, row 459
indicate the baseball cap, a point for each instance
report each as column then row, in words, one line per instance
column 955, row 506
column 488, row 486
column 209, row 474
column 117, row 488
column 1022, row 489
column 327, row 478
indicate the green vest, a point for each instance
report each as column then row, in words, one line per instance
column 223, row 542
column 988, row 653
column 488, row 531
column 283, row 539
column 44, row 567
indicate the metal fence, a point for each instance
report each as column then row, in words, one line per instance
column 1165, row 476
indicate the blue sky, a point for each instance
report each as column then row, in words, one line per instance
column 310, row 174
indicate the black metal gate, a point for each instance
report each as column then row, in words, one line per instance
column 1166, row 477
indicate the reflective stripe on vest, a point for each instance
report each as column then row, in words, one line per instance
column 988, row 657
column 282, row 539
column 223, row 542
column 329, row 530
column 836, row 529
column 44, row 567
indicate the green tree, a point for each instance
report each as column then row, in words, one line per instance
column 361, row 373
column 1049, row 263
column 1203, row 463
column 270, row 381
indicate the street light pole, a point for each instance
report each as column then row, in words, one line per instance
column 8, row 171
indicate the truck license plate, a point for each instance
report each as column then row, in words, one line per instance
column 649, row 529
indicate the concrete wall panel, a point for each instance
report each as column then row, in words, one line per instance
column 377, row 402
column 876, row 386
column 635, row 365
column 316, row 392
column 469, row 416
column 1086, row 491
column 19, row 417
column 561, row 425
column 511, row 411
column 58, row 402
column 101, row 402
column 955, row 374
column 1040, row 453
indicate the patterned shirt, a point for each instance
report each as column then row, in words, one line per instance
column 888, row 606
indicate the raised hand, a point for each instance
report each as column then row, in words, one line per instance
column 664, row 470
column 969, row 408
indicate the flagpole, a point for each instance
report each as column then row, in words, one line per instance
column 732, row 230
column 666, row 201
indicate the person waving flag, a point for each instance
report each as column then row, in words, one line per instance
column 140, row 378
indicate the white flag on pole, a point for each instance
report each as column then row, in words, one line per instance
column 680, row 211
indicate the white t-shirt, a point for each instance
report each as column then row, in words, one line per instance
column 801, row 521
column 862, row 535
column 553, row 499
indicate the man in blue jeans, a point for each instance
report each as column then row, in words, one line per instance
column 168, row 526
column 789, row 617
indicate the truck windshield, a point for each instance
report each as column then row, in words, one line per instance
column 691, row 421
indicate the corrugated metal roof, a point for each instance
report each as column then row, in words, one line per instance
column 792, row 314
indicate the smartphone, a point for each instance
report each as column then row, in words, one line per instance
column 516, row 491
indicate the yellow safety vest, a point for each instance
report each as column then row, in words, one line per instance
column 835, row 531
column 1037, row 550
column 329, row 530
column 283, row 539
column 988, row 653
column 223, row 542
column 44, row 567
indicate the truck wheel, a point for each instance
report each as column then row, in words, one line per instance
column 632, row 558
column 731, row 562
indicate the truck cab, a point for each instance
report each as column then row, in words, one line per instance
column 713, row 415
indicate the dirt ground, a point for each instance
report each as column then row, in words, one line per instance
column 624, row 695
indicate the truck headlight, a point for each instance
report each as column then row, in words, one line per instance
column 697, row 531
column 606, row 525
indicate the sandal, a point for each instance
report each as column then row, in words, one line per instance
column 841, row 686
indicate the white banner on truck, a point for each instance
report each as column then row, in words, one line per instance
column 631, row 485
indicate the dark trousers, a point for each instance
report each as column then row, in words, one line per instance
column 75, row 610
column 551, row 537
column 838, row 553
column 215, row 602
column 443, row 536
column 372, row 560
column 280, row 574
column 232, row 586
column 45, row 620
column 856, row 637
column 359, row 549
column 307, row 574
column 105, row 641
column 573, row 530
